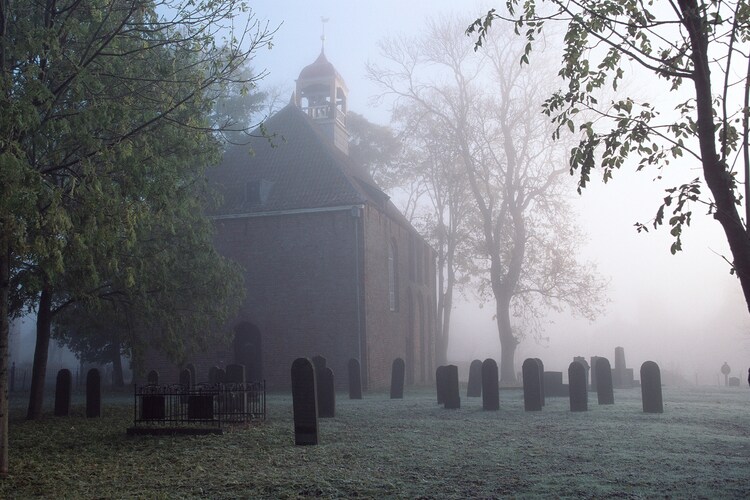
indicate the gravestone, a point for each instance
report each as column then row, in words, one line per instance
column 152, row 378
column 191, row 368
column 734, row 382
column 440, row 384
column 235, row 401
column 452, row 395
column 235, row 374
column 304, row 402
column 93, row 394
column 604, row 392
column 326, row 395
column 541, row 380
column 553, row 385
column 63, row 387
column 397, row 379
column 152, row 407
column 319, row 363
column 577, row 388
column 200, row 407
column 474, row 387
column 185, row 378
column 593, row 373
column 213, row 375
column 532, row 386
column 585, row 364
column 355, row 379
column 490, row 385
column 221, row 376
column 651, row 388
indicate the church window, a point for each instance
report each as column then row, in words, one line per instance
column 392, row 277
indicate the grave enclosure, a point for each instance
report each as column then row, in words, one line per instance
column 187, row 408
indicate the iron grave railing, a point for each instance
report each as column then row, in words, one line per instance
column 198, row 409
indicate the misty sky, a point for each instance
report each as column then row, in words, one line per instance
column 685, row 311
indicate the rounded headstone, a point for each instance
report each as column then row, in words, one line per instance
column 651, row 388
column 304, row 402
column 93, row 394
column 578, row 392
column 490, row 385
column 398, row 371
column 474, row 387
column 355, row 379
column 604, row 390
column 532, row 387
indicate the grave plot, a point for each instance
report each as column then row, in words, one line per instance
column 198, row 409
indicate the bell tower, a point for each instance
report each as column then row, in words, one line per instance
column 322, row 94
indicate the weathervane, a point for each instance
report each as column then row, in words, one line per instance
column 323, row 21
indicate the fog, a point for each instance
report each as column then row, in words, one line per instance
column 683, row 311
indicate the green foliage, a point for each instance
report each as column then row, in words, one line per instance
column 107, row 130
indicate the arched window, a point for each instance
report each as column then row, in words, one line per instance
column 392, row 276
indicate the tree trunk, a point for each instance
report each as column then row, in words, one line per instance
column 715, row 170
column 39, row 370
column 119, row 380
column 508, row 342
column 4, row 358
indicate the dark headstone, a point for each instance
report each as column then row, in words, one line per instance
column 604, row 391
column 63, row 387
column 593, row 373
column 474, row 388
column 221, row 376
column 235, row 401
column 200, row 407
column 326, row 394
column 532, row 385
column 152, row 378
column 397, row 378
column 185, row 378
column 235, row 374
column 152, row 407
column 304, row 402
column 440, row 384
column 585, row 364
column 579, row 394
column 191, row 368
column 553, row 385
column 622, row 377
column 319, row 362
column 213, row 375
column 651, row 388
column 490, row 385
column 355, row 379
column 93, row 394
column 541, row 380
column 452, row 395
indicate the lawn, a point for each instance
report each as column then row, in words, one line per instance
column 411, row 448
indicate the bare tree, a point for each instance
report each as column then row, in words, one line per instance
column 526, row 239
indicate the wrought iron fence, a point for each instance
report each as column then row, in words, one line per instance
column 203, row 406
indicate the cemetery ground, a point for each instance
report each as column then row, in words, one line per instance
column 378, row 447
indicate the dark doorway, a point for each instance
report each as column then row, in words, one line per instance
column 248, row 350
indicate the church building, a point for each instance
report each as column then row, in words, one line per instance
column 331, row 266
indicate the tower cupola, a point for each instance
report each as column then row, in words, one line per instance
column 322, row 94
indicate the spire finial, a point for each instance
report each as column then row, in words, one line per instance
column 323, row 21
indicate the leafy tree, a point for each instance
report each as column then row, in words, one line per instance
column 526, row 241
column 104, row 121
column 698, row 50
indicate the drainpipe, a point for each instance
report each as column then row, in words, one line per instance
column 357, row 216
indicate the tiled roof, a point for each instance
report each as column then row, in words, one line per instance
column 297, row 168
